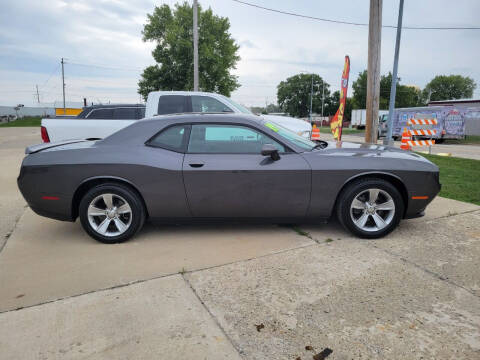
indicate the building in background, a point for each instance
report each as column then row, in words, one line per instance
column 72, row 108
column 460, row 102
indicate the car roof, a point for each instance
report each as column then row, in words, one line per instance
column 184, row 93
column 140, row 131
column 109, row 106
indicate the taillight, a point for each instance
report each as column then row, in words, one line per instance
column 44, row 133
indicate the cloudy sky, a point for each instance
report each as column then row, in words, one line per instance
column 101, row 40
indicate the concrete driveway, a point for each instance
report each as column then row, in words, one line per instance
column 236, row 291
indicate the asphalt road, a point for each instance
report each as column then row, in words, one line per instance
column 236, row 291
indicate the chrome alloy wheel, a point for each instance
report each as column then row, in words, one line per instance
column 372, row 210
column 109, row 214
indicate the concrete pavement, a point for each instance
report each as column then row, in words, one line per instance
column 199, row 291
column 159, row 319
column 12, row 205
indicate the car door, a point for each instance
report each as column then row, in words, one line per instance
column 225, row 174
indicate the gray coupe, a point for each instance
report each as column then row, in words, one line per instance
column 223, row 167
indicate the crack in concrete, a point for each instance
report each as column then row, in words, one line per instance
column 315, row 242
column 214, row 318
column 180, row 272
column 9, row 233
column 424, row 269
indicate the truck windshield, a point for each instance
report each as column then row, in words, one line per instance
column 242, row 108
column 290, row 135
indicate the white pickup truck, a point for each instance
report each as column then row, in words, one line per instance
column 99, row 121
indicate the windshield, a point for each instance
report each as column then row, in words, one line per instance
column 242, row 108
column 290, row 135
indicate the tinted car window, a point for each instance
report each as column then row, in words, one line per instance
column 125, row 113
column 208, row 104
column 101, row 114
column 172, row 138
column 140, row 113
column 228, row 139
column 172, row 104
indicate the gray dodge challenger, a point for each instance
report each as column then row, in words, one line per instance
column 214, row 167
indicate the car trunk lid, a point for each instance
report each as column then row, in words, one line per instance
column 40, row 147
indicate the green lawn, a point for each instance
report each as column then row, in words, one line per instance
column 345, row 131
column 23, row 122
column 470, row 139
column 460, row 178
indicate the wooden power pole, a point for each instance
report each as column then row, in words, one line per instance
column 195, row 45
column 373, row 78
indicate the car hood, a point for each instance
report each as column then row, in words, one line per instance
column 294, row 124
column 344, row 148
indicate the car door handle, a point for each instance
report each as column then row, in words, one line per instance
column 196, row 165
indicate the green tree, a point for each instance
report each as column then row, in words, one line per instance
column 443, row 87
column 359, row 87
column 171, row 29
column 406, row 96
column 333, row 104
column 293, row 94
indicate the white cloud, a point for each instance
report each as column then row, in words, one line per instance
column 34, row 35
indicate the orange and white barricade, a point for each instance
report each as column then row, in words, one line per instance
column 315, row 133
column 408, row 142
column 406, row 138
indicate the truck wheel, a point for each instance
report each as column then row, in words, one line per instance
column 111, row 213
column 370, row 208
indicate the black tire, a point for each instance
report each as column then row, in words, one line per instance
column 355, row 188
column 136, row 217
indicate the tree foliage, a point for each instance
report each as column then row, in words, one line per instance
column 334, row 103
column 406, row 96
column 271, row 108
column 443, row 87
column 172, row 30
column 293, row 94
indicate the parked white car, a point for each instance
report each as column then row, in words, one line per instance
column 101, row 121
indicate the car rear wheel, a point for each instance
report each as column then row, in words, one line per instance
column 111, row 213
column 370, row 208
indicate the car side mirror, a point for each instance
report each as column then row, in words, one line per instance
column 270, row 150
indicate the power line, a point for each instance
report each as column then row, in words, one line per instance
column 104, row 66
column 353, row 23
column 53, row 72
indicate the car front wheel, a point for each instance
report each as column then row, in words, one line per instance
column 111, row 213
column 370, row 208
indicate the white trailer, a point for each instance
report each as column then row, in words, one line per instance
column 359, row 117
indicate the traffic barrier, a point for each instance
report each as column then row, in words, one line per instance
column 406, row 138
column 315, row 133
column 421, row 142
column 422, row 132
column 422, row 122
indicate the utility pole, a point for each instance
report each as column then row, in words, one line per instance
column 311, row 100
column 373, row 79
column 195, row 45
column 63, row 87
column 393, row 91
column 38, row 95
column 323, row 95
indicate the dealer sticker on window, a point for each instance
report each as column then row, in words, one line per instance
column 271, row 126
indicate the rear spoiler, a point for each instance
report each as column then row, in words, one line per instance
column 36, row 148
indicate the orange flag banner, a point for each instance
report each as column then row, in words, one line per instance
column 336, row 123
